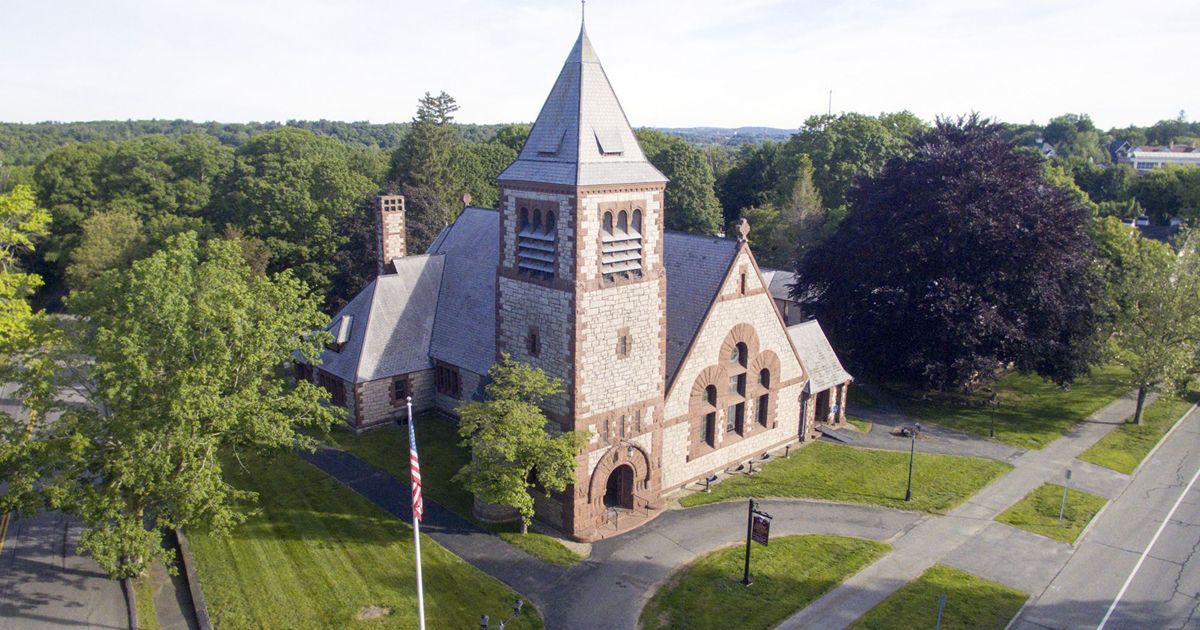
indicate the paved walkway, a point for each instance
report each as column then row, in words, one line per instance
column 970, row 539
column 888, row 417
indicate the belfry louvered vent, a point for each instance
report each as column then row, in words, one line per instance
column 536, row 243
column 621, row 244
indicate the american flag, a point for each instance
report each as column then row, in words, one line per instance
column 418, row 505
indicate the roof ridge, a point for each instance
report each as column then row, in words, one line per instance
column 373, row 287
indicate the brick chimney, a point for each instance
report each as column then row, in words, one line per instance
column 391, row 230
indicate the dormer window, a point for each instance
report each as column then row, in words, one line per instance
column 340, row 329
column 536, row 237
column 621, row 242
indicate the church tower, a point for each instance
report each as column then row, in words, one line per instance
column 581, row 288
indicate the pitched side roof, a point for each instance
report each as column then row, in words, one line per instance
column 388, row 326
column 779, row 282
column 818, row 357
column 464, row 332
column 695, row 265
column 581, row 136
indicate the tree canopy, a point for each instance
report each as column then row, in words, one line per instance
column 512, row 452
column 691, row 201
column 184, row 352
column 957, row 261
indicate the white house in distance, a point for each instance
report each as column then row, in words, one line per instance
column 1146, row 158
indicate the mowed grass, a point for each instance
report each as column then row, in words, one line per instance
column 788, row 574
column 834, row 472
column 972, row 603
column 1031, row 411
column 1038, row 512
column 859, row 423
column 441, row 459
column 1124, row 449
column 147, row 613
column 318, row 554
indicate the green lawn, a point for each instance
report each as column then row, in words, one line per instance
column 972, row 603
column 859, row 423
column 442, row 458
column 147, row 613
column 860, row 397
column 789, row 574
column 1038, row 512
column 1032, row 411
column 317, row 555
column 1122, row 450
column 844, row 473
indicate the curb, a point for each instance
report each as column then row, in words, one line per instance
column 1163, row 439
column 189, row 569
column 130, row 602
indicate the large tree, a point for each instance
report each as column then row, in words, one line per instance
column 1154, row 301
column 691, row 199
column 184, row 350
column 781, row 232
column 958, row 261
column 290, row 188
column 427, row 155
column 512, row 449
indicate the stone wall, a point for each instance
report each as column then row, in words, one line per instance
column 525, row 304
column 375, row 399
column 472, row 389
column 607, row 381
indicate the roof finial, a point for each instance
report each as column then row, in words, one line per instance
column 582, row 13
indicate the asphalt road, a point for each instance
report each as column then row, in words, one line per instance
column 1165, row 591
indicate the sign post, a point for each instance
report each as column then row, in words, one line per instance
column 758, row 529
column 1063, row 507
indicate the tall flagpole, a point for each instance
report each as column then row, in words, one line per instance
column 412, row 438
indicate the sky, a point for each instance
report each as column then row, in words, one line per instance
column 721, row 63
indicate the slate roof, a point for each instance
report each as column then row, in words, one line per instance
column 779, row 282
column 388, row 326
column 818, row 357
column 464, row 332
column 581, row 136
column 695, row 265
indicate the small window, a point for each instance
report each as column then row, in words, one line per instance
column 764, row 378
column 737, row 355
column 743, row 284
column 608, row 223
column 623, row 435
column 448, row 381
column 708, row 431
column 637, row 221
column 637, row 421
column 763, row 406
column 533, row 342
column 400, row 389
column 623, row 221
column 623, row 343
column 523, row 221
column 734, row 418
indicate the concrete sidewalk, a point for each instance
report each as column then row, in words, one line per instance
column 969, row 536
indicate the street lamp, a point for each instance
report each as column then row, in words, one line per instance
column 912, row 452
column 993, row 402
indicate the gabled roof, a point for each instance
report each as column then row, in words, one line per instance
column 582, row 137
column 695, row 266
column 464, row 332
column 779, row 282
column 386, row 329
column 818, row 357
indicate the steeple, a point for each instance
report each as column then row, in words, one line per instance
column 582, row 137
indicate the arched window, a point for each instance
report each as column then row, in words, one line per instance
column 764, row 379
column 536, row 247
column 764, row 400
column 523, row 221
column 549, row 223
column 708, row 431
column 608, row 223
column 623, row 221
column 637, row 221
column 537, row 220
column 738, row 355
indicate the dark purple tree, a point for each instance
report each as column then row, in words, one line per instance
column 956, row 262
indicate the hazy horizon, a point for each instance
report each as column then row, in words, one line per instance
column 759, row 63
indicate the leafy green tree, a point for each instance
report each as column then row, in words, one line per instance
column 21, row 221
column 780, row 235
column 691, row 200
column 847, row 146
column 289, row 188
column 513, row 136
column 1169, row 191
column 511, row 447
column 1155, row 297
column 110, row 240
column 185, row 350
column 476, row 166
column 1074, row 135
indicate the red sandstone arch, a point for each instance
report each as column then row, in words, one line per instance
column 740, row 333
column 622, row 453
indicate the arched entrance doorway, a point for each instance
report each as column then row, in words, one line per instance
column 618, row 491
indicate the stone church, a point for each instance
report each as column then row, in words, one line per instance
column 673, row 353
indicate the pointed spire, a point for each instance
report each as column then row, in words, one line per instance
column 581, row 136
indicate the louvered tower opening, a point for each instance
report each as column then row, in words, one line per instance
column 622, row 244
column 536, row 243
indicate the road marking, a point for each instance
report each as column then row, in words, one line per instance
column 1146, row 551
